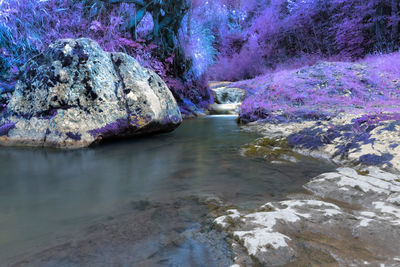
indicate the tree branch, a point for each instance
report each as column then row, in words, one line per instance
column 137, row 2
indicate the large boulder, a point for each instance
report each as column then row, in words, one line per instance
column 75, row 94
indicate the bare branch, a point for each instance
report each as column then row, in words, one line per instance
column 137, row 2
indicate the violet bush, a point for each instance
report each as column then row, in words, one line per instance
column 229, row 40
column 27, row 27
column 323, row 90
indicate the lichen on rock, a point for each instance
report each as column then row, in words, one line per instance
column 75, row 94
column 347, row 219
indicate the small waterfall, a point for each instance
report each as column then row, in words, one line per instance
column 227, row 99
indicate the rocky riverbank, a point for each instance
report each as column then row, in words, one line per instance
column 348, row 139
column 346, row 113
column 344, row 219
column 347, row 217
column 75, row 95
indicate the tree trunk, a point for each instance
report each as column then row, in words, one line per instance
column 395, row 26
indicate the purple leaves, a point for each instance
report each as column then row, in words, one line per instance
column 377, row 160
column 323, row 90
column 74, row 136
column 4, row 129
column 112, row 129
column 281, row 32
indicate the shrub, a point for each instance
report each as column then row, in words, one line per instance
column 273, row 32
column 27, row 27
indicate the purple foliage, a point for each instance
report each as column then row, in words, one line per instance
column 111, row 129
column 191, row 101
column 74, row 136
column 357, row 133
column 28, row 27
column 277, row 32
column 4, row 129
column 371, row 119
column 323, row 90
column 313, row 138
column 244, row 38
column 373, row 159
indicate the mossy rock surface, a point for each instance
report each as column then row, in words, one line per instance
column 271, row 149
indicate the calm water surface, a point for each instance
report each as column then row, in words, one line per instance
column 133, row 202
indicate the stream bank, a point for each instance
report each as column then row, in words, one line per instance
column 346, row 217
column 350, row 216
column 343, row 219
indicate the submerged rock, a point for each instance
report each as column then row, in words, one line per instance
column 274, row 150
column 75, row 94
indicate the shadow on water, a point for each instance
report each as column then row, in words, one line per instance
column 134, row 201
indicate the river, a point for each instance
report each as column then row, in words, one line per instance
column 140, row 202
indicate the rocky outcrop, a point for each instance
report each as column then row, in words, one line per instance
column 349, row 139
column 348, row 217
column 75, row 94
column 347, row 113
column 348, row 220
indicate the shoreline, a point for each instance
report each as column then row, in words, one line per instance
column 349, row 216
column 338, row 141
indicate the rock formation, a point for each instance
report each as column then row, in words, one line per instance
column 75, row 94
